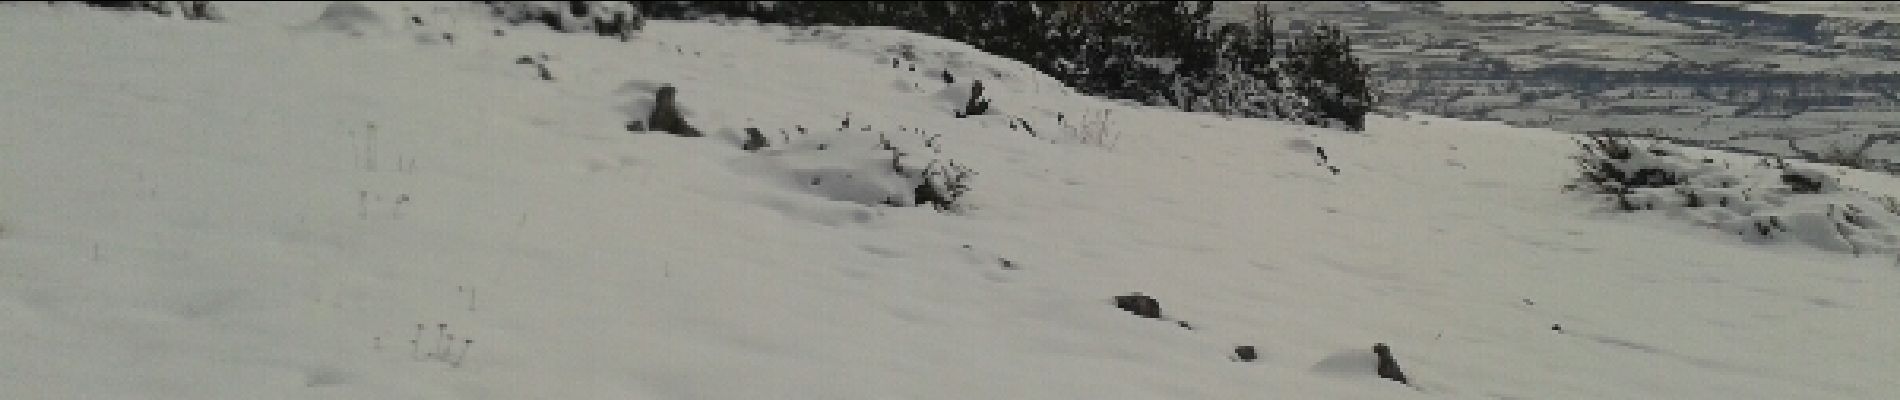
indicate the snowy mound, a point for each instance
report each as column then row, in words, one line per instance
column 352, row 17
column 872, row 167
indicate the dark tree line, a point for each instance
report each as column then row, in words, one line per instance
column 1159, row 53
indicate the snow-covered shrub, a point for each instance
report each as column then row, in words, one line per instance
column 437, row 347
column 605, row 18
column 1091, row 128
column 1615, row 166
column 1765, row 200
column 944, row 183
column 871, row 168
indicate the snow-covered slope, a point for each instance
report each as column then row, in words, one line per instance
column 276, row 207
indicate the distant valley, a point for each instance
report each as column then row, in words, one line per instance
column 1748, row 76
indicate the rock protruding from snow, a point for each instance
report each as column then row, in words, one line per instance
column 1140, row 304
column 1388, row 366
column 754, row 140
column 977, row 105
column 1246, row 354
column 1358, row 363
column 666, row 114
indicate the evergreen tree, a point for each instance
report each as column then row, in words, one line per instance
column 1330, row 78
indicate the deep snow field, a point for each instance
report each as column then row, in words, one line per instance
column 275, row 206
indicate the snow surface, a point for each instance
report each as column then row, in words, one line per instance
column 269, row 209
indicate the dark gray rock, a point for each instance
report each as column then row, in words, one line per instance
column 1246, row 353
column 1139, row 304
column 927, row 193
column 753, row 140
column 666, row 115
column 1389, row 366
column 977, row 104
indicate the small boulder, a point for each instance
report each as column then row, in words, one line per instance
column 977, row 104
column 1388, row 366
column 926, row 193
column 1246, row 354
column 754, row 140
column 666, row 114
column 1139, row 304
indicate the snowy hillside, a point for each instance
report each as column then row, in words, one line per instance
column 294, row 203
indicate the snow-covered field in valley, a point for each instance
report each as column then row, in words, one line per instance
column 284, row 205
